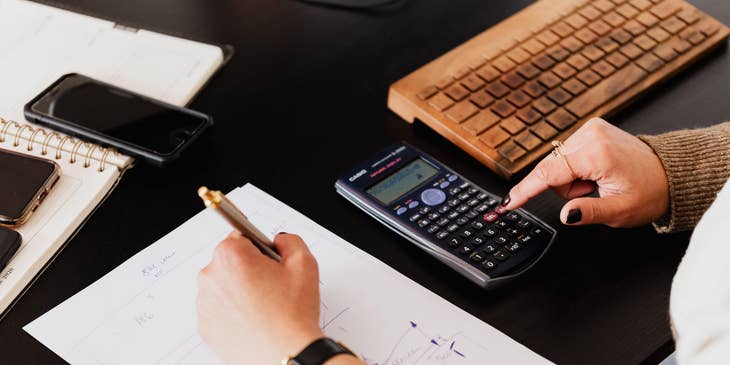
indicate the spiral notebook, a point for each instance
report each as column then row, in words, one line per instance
column 160, row 66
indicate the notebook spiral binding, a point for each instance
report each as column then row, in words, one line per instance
column 76, row 144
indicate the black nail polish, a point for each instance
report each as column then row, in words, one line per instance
column 505, row 200
column 574, row 216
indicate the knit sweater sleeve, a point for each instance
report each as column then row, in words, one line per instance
column 697, row 163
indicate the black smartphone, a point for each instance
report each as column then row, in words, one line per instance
column 9, row 244
column 25, row 182
column 111, row 116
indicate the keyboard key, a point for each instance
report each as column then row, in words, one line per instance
column 445, row 82
column 574, row 86
column 614, row 19
column 461, row 111
column 427, row 92
column 647, row 20
column 558, row 53
column 511, row 151
column 544, row 130
column 599, row 27
column 658, row 34
column 673, row 25
column 666, row 9
column 457, row 92
column 586, row 36
column 665, row 52
column 472, row 82
column 564, row 71
column 518, row 98
column 576, row 21
column 441, row 102
column 501, row 255
column 603, row 5
column 528, row 115
column 578, row 61
column 513, row 80
column 548, row 38
column 572, row 44
column 533, row 46
column 689, row 16
column 649, row 62
column 561, row 119
column 518, row 55
column 634, row 27
column 644, row 42
column 479, row 123
column 503, row 64
column 543, row 105
column 589, row 77
column 497, row 89
column 527, row 140
column 593, row 53
column 627, row 11
column 607, row 45
column 549, row 80
column 543, row 62
column 562, row 29
column 489, row 265
column 503, row 108
column 461, row 72
column 605, row 90
column 481, row 99
column 590, row 12
column 488, row 73
column 641, row 4
column 617, row 59
column 679, row 45
column 528, row 70
column 695, row 37
column 512, row 125
column 631, row 51
column 533, row 89
column 601, row 67
column 621, row 36
column 559, row 96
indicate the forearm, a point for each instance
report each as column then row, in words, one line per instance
column 697, row 164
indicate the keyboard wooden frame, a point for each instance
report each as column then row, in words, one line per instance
column 497, row 41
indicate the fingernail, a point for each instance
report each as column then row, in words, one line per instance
column 574, row 216
column 281, row 233
column 505, row 200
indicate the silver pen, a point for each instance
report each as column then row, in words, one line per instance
column 216, row 200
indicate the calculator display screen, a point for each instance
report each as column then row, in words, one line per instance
column 402, row 181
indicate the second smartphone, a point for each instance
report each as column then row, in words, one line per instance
column 110, row 116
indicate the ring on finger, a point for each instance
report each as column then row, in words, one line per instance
column 557, row 152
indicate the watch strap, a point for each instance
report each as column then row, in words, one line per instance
column 319, row 351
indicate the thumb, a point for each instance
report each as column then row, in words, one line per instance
column 292, row 248
column 589, row 210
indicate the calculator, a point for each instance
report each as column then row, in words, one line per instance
column 446, row 215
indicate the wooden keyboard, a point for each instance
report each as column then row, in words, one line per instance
column 505, row 94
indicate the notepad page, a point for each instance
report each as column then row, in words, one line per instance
column 41, row 43
column 143, row 312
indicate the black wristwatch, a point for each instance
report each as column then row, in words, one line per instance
column 318, row 352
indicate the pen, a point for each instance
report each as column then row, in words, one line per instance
column 236, row 218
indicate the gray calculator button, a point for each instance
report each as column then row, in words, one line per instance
column 415, row 217
column 433, row 196
column 444, row 185
column 441, row 235
column 453, row 178
column 401, row 210
column 413, row 204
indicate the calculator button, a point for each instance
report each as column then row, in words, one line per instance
column 501, row 223
column 441, row 235
column 501, row 255
column 462, row 208
column 477, row 241
column 478, row 256
column 453, row 215
column 462, row 221
column 477, row 226
column 433, row 196
column 538, row 231
column 414, row 217
column 433, row 229
column 454, row 202
column 453, row 178
column 434, row 216
column 454, row 191
column 466, row 233
column 464, row 185
column 491, row 202
column 444, row 185
column 443, row 209
column 463, row 196
column 501, row 240
column 524, row 224
column 482, row 208
column 423, row 222
column 473, row 202
column 514, row 232
column 472, row 214
column 442, row 222
column 512, row 217
column 513, row 247
column 490, row 232
column 424, row 210
column 472, row 191
column 401, row 210
column 526, row 239
column 489, row 265
column 413, row 204
column 490, row 248
column 454, row 242
column 452, row 227
column 491, row 217
column 482, row 196
column 465, row 249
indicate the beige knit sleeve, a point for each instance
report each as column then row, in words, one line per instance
column 697, row 162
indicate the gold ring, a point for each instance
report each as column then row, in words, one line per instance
column 559, row 155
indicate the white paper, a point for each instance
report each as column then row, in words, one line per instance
column 143, row 312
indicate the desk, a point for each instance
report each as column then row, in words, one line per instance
column 304, row 99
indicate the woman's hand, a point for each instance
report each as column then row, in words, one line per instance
column 254, row 310
column 631, row 181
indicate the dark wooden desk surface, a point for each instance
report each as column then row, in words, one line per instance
column 304, row 99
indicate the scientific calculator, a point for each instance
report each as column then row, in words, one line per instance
column 446, row 215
